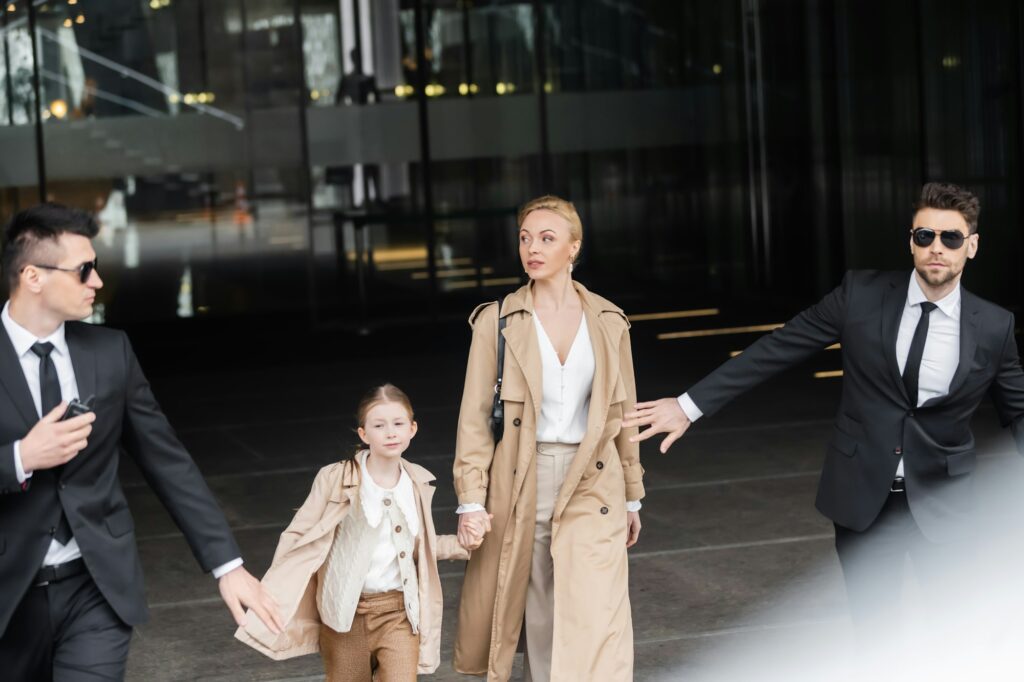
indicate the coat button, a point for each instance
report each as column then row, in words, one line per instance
column 910, row 413
column 387, row 502
column 405, row 581
column 604, row 510
column 63, row 485
column 898, row 451
column 401, row 555
column 398, row 529
column 53, row 531
column 517, row 421
column 600, row 465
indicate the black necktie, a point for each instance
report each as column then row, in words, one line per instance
column 49, row 394
column 912, row 370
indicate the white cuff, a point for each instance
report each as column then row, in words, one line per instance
column 633, row 506
column 221, row 571
column 471, row 507
column 19, row 469
column 690, row 408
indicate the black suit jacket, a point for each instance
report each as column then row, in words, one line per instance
column 128, row 418
column 876, row 424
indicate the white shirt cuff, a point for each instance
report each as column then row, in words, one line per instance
column 471, row 507
column 690, row 408
column 221, row 571
column 633, row 505
column 19, row 469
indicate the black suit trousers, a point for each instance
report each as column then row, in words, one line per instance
column 873, row 562
column 66, row 632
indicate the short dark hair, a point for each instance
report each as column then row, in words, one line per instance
column 32, row 226
column 946, row 196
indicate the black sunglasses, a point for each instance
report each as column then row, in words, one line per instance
column 951, row 239
column 84, row 270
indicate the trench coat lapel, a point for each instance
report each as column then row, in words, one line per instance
column 521, row 342
column 606, row 353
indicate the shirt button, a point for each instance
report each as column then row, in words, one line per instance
column 517, row 421
column 401, row 555
column 600, row 465
column 387, row 502
column 604, row 510
column 398, row 529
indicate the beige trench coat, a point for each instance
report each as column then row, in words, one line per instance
column 593, row 631
column 303, row 548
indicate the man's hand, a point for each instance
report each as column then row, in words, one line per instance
column 632, row 528
column 470, row 526
column 475, row 531
column 53, row 442
column 661, row 416
column 239, row 589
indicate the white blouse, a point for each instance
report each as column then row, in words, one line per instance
column 384, row 573
column 566, row 393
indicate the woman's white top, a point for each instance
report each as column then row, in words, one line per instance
column 566, row 394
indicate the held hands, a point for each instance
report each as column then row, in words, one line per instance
column 661, row 416
column 472, row 528
column 239, row 589
column 53, row 442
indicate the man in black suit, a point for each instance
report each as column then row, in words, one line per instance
column 919, row 354
column 69, row 567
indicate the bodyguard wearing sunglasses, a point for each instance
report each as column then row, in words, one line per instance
column 920, row 352
column 69, row 567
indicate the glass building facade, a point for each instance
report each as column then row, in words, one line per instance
column 355, row 162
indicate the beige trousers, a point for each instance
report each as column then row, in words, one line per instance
column 553, row 461
column 380, row 645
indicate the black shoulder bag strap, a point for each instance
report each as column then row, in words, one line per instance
column 498, row 408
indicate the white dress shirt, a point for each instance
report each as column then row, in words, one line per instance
column 565, row 399
column 23, row 340
column 385, row 574
column 941, row 348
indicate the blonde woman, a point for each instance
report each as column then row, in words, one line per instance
column 563, row 483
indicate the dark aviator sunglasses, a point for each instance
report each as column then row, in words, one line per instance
column 951, row 239
column 84, row 270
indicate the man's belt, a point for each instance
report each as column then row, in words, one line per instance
column 52, row 574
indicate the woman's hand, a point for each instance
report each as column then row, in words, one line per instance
column 632, row 528
column 472, row 528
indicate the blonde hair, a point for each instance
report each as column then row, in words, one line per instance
column 560, row 207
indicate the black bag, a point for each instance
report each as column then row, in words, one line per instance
column 498, row 408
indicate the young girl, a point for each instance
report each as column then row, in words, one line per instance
column 355, row 573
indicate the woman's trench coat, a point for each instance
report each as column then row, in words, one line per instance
column 593, row 631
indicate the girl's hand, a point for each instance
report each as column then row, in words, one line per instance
column 632, row 528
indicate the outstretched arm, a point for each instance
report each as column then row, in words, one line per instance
column 172, row 474
column 807, row 333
